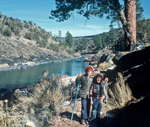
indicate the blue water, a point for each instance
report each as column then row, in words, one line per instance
column 20, row 78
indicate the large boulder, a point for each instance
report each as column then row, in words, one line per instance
column 133, row 59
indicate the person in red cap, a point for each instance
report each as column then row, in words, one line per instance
column 85, row 82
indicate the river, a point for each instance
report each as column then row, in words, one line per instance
column 21, row 78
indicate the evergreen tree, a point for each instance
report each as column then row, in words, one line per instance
column 69, row 39
column 112, row 35
column 30, row 22
column 139, row 10
column 97, row 40
column 50, row 33
column 59, row 33
column 1, row 15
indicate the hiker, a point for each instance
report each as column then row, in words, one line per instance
column 86, row 82
column 97, row 94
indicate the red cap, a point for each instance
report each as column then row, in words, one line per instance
column 89, row 67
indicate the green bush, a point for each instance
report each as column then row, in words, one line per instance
column 1, row 15
column 1, row 28
column 7, row 32
column 4, row 59
column 39, row 27
column 12, row 27
column 30, row 29
column 11, row 18
column 70, row 51
column 7, row 23
column 30, row 22
column 19, row 24
column 43, row 31
column 35, row 30
column 42, row 43
column 26, row 25
column 54, row 47
column 17, row 31
column 28, row 36
column 36, row 36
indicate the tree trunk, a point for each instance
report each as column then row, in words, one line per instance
column 130, row 15
column 128, row 20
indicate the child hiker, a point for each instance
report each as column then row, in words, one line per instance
column 97, row 94
column 86, row 82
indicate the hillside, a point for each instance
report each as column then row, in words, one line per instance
column 25, row 41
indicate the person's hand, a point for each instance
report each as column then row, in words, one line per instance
column 101, row 100
column 91, row 102
column 79, row 75
column 106, row 79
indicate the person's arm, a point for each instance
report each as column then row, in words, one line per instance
column 91, row 95
column 103, row 94
column 77, row 79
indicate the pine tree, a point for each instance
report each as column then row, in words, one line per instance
column 69, row 39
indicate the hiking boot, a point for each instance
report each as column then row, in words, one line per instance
column 89, row 119
column 82, row 121
column 86, row 121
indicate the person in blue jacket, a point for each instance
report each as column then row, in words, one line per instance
column 97, row 95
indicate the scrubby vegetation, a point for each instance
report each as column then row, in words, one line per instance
column 29, row 30
column 42, row 101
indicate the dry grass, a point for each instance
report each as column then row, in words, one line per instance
column 43, row 100
column 118, row 94
column 103, row 66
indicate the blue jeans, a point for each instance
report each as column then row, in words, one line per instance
column 85, row 111
column 96, row 107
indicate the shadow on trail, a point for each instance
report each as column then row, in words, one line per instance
column 94, row 123
column 68, row 115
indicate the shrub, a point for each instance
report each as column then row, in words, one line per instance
column 43, row 43
column 36, row 36
column 26, row 25
column 46, row 97
column 35, row 29
column 43, row 31
column 70, row 51
column 39, row 27
column 4, row 60
column 30, row 29
column 54, row 47
column 30, row 22
column 19, row 24
column 1, row 28
column 12, row 27
column 7, row 23
column 17, row 31
column 1, row 15
column 28, row 36
column 7, row 32
column 119, row 94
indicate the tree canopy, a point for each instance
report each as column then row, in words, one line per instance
column 112, row 9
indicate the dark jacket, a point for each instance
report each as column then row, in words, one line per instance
column 85, row 83
column 97, row 90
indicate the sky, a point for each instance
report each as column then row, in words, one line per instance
column 38, row 11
